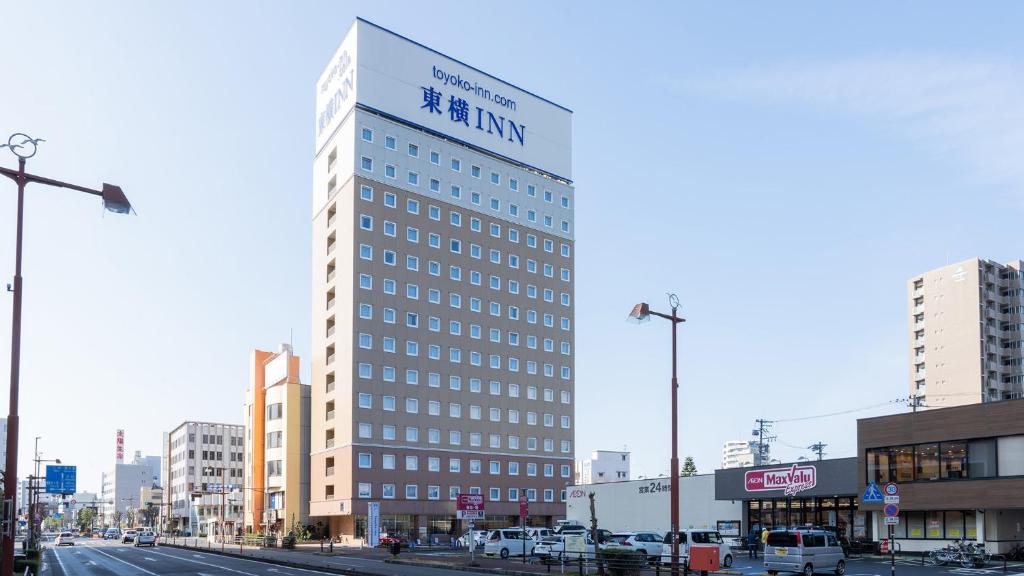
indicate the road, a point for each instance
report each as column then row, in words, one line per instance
column 106, row 558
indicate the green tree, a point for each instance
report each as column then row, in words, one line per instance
column 689, row 468
column 85, row 518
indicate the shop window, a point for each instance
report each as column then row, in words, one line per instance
column 928, row 462
column 1011, row 456
column 933, row 522
column 954, row 525
column 953, row 460
column 902, row 461
column 915, row 525
column 878, row 465
column 970, row 525
column 981, row 459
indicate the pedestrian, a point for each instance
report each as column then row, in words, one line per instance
column 752, row 541
column 764, row 538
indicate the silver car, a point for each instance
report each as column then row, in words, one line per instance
column 803, row 551
column 647, row 544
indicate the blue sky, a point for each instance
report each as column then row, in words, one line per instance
column 784, row 168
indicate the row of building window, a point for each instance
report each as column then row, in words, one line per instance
column 412, row 435
column 390, row 316
column 474, row 413
column 950, row 460
column 388, row 403
column 413, row 206
column 494, row 467
column 494, row 281
column 434, row 492
column 412, row 376
column 389, row 344
column 455, row 163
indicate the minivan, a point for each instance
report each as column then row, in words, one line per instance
column 695, row 536
column 803, row 551
column 509, row 541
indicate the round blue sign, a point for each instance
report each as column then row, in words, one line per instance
column 891, row 510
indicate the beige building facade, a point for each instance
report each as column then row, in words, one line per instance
column 966, row 327
column 442, row 293
column 277, row 436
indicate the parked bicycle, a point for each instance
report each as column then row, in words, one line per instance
column 967, row 554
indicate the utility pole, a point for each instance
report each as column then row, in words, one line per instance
column 915, row 402
column 763, row 436
column 819, row 448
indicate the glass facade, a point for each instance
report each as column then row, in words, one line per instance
column 950, row 460
column 771, row 513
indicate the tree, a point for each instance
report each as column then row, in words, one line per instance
column 689, row 468
column 85, row 518
column 130, row 516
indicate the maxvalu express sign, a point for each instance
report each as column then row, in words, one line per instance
column 837, row 477
column 387, row 73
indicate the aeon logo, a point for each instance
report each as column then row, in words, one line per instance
column 790, row 480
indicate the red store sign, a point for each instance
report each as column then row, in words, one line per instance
column 791, row 480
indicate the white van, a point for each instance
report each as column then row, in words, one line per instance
column 509, row 541
column 695, row 536
column 803, row 551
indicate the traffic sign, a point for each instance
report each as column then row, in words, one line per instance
column 61, row 479
column 892, row 499
column 524, row 507
column 469, row 507
column 890, row 520
column 872, row 494
column 892, row 489
column 891, row 510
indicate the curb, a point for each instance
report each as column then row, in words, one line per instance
column 276, row 562
column 476, row 569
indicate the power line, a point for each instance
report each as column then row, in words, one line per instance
column 841, row 412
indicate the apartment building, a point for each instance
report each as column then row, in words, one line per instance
column 603, row 466
column 277, row 428
column 442, row 292
column 120, row 491
column 740, row 454
column 204, row 469
column 966, row 325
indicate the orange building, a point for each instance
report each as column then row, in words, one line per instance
column 276, row 416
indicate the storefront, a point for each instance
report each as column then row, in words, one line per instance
column 960, row 473
column 819, row 493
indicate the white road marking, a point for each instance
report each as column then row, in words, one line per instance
column 61, row 563
column 98, row 551
column 206, row 564
column 150, row 559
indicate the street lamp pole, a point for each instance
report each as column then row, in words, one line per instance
column 642, row 313
column 24, row 147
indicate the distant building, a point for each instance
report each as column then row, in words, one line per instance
column 121, row 490
column 740, row 454
column 74, row 505
column 965, row 333
column 276, row 415
column 603, row 466
column 205, row 463
column 151, row 501
column 154, row 464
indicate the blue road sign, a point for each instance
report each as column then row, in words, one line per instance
column 61, row 479
column 891, row 510
column 872, row 494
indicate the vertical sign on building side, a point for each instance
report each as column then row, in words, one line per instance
column 373, row 524
column 120, row 446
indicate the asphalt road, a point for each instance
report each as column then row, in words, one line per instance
column 105, row 558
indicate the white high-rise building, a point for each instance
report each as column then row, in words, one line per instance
column 205, row 463
column 966, row 332
column 740, row 454
column 603, row 466
column 442, row 290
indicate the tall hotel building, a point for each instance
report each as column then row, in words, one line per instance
column 442, row 292
column 966, row 333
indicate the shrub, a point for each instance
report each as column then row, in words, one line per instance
column 623, row 562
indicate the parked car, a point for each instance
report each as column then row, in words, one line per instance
column 129, row 536
column 65, row 539
column 648, row 544
column 508, row 541
column 112, row 534
column 803, row 551
column 478, row 537
column 539, row 534
column 552, row 548
column 145, row 539
column 695, row 536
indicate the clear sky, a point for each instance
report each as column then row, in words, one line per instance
column 783, row 167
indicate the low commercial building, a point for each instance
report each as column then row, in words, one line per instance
column 646, row 504
column 277, row 424
column 808, row 493
column 959, row 471
column 603, row 466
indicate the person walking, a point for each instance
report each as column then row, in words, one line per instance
column 764, row 539
column 752, row 541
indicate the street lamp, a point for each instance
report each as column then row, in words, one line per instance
column 642, row 313
column 114, row 200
